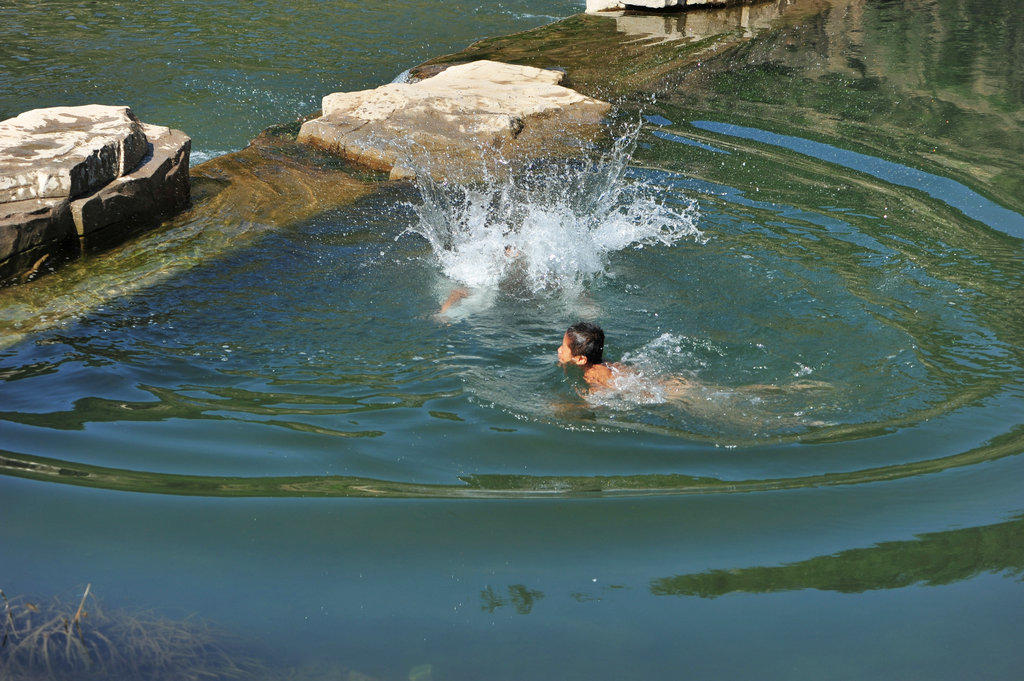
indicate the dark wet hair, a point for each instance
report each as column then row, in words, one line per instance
column 588, row 340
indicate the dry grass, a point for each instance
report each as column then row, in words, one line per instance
column 55, row 640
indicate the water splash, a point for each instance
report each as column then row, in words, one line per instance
column 648, row 375
column 630, row 387
column 549, row 226
column 671, row 352
column 663, row 370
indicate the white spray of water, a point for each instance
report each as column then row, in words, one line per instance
column 629, row 387
column 549, row 226
column 652, row 374
column 673, row 353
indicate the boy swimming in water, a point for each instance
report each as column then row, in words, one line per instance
column 583, row 346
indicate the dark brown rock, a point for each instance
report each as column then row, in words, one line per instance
column 157, row 188
column 28, row 224
column 32, row 233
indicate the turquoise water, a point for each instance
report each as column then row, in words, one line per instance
column 224, row 71
column 775, row 220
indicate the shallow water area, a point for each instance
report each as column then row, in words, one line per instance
column 807, row 466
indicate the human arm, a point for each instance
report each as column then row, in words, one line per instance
column 457, row 294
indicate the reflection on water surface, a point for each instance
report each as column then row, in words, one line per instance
column 747, row 19
column 933, row 559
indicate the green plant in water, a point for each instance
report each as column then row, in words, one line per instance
column 55, row 640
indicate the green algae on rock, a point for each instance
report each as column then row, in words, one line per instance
column 628, row 61
column 272, row 183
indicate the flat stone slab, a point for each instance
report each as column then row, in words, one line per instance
column 68, row 173
column 157, row 188
column 467, row 112
column 66, row 151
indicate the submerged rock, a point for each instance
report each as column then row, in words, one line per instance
column 274, row 182
column 235, row 198
column 423, row 672
column 69, row 172
column 464, row 114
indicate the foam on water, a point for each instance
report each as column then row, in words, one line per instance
column 647, row 374
column 549, row 226
column 669, row 352
column 629, row 387
column 655, row 373
column 203, row 155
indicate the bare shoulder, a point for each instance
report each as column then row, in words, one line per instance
column 599, row 375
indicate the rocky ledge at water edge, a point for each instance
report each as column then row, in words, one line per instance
column 606, row 5
column 463, row 115
column 72, row 173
